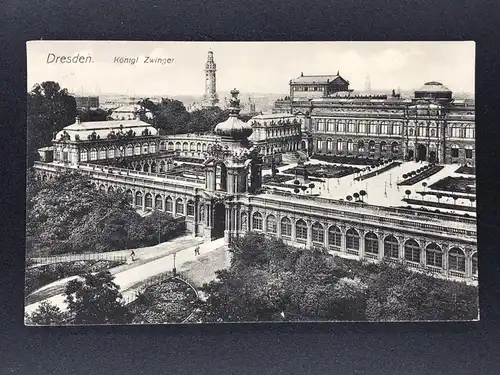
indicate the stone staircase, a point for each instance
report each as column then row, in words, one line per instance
column 293, row 157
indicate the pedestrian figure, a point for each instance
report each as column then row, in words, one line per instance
column 132, row 255
column 197, row 250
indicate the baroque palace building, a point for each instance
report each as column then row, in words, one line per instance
column 229, row 200
column 431, row 126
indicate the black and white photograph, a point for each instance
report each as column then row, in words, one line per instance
column 249, row 182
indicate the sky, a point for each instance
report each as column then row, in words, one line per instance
column 253, row 67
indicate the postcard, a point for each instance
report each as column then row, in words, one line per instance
column 225, row 182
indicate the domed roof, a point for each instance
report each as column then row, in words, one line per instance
column 234, row 127
column 433, row 86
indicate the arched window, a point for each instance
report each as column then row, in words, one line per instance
column 383, row 146
column 330, row 125
column 350, row 145
column 149, row 200
column 177, row 146
column 111, row 189
column 334, row 236
column 198, row 147
column 93, row 154
column 286, row 227
column 339, row 145
column 362, row 127
column 396, row 129
column 158, row 202
column 395, row 147
column 373, row 127
column 329, row 144
column 204, row 147
column 169, row 205
column 371, row 146
column 102, row 153
column 434, row 255
column 137, row 149
column 170, row 146
column 352, row 239
column 474, row 264
column 190, row 208
column 152, row 148
column 244, row 221
column 361, row 146
column 145, row 148
column 412, row 251
column 192, row 146
column 391, row 247
column 468, row 151
column 318, row 233
column 129, row 150
column 350, row 126
column 456, row 260
column 185, row 146
column 111, row 153
column 271, row 224
column 319, row 145
column 371, row 243
column 257, row 221
column 138, row 198
column 163, row 146
column 102, row 188
column 454, row 151
column 179, row 207
column 301, row 230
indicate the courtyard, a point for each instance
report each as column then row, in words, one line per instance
column 382, row 186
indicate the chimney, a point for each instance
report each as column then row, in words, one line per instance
column 302, row 74
column 78, row 119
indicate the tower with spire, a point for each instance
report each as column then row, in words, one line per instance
column 210, row 99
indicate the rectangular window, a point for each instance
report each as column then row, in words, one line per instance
column 468, row 154
column 454, row 152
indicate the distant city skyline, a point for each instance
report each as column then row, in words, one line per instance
column 267, row 66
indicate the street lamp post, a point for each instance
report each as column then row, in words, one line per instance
column 174, row 270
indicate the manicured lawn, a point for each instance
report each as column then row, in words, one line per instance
column 456, row 184
column 325, row 170
column 465, row 169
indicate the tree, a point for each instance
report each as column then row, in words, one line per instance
column 296, row 190
column 205, row 119
column 472, row 200
column 356, row 196
column 47, row 314
column 455, row 198
column 408, row 192
column 303, row 188
column 171, row 117
column 96, row 300
column 92, row 114
column 439, row 196
column 349, row 198
column 312, row 186
column 424, row 184
column 49, row 109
